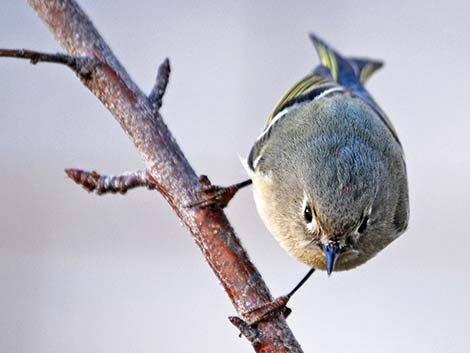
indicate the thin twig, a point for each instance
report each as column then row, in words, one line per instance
column 161, row 82
column 103, row 184
column 81, row 65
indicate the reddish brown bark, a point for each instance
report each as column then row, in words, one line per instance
column 104, row 184
column 168, row 168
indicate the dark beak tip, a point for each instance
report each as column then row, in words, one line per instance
column 330, row 264
column 331, row 251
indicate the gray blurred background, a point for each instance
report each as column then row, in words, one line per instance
column 81, row 273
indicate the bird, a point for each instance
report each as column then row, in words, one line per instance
column 328, row 169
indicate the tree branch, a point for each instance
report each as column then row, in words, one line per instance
column 103, row 184
column 82, row 66
column 158, row 90
column 167, row 168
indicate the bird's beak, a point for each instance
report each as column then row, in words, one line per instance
column 331, row 250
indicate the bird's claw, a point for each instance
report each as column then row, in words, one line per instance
column 214, row 195
column 268, row 310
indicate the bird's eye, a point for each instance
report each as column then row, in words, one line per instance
column 363, row 225
column 308, row 216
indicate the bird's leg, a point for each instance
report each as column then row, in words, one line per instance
column 214, row 195
column 266, row 311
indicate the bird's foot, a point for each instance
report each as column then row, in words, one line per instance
column 268, row 310
column 214, row 195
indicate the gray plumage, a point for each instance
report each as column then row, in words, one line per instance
column 331, row 150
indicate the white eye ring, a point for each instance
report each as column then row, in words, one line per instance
column 364, row 222
column 309, row 216
column 363, row 225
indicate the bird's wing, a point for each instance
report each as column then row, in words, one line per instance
column 309, row 88
column 312, row 87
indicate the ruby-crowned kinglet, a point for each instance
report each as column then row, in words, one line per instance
column 328, row 171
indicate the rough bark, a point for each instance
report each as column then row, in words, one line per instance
column 168, row 168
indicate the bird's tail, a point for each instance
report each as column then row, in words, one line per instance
column 345, row 71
